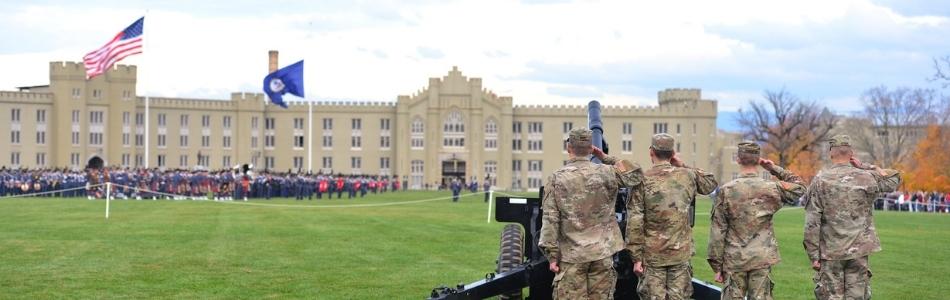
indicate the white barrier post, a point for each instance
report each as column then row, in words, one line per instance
column 490, row 200
column 108, row 197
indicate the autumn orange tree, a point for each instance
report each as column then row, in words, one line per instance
column 929, row 167
column 789, row 130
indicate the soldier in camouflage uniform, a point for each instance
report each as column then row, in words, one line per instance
column 839, row 228
column 742, row 245
column 659, row 235
column 579, row 232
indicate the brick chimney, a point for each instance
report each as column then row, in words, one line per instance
column 272, row 61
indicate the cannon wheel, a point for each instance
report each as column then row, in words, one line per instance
column 510, row 254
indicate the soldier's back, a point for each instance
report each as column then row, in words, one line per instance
column 585, row 194
column 749, row 203
column 668, row 192
column 845, row 195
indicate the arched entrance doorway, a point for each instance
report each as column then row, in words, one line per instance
column 95, row 162
column 453, row 169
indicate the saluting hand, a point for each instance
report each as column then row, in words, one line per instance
column 554, row 267
column 816, row 265
column 766, row 163
column 638, row 267
column 719, row 278
column 598, row 153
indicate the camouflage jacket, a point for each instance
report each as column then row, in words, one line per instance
column 658, row 231
column 578, row 221
column 838, row 221
column 741, row 237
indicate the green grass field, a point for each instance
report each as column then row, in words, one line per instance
column 64, row 248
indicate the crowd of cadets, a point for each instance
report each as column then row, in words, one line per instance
column 182, row 184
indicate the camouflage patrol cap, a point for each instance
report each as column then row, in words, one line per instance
column 840, row 140
column 749, row 147
column 580, row 137
column 662, row 142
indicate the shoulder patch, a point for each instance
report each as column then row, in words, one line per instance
column 786, row 185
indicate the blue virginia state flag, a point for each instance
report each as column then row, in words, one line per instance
column 286, row 80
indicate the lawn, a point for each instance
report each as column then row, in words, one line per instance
column 64, row 248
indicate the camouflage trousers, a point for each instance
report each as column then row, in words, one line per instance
column 666, row 283
column 843, row 279
column 757, row 284
column 591, row 280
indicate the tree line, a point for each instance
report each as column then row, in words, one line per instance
column 907, row 128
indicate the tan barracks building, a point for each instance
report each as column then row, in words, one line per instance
column 454, row 127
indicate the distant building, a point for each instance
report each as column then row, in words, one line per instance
column 452, row 128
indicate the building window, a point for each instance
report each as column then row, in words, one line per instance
column 95, row 138
column 205, row 121
column 41, row 159
column 298, row 133
column 76, row 93
column 226, row 161
column 139, row 160
column 15, row 136
column 535, row 127
column 384, row 142
column 417, row 130
column 327, row 162
column 535, row 130
column 126, row 139
column 453, row 131
column 183, row 141
column 627, row 128
column 516, row 127
column 356, row 142
column 568, row 126
column 491, row 135
column 659, row 128
column 327, row 124
column 535, row 145
column 161, row 160
column 356, row 162
column 226, row 141
column 183, row 161
column 15, row 159
column 162, row 120
column 383, row 124
column 254, row 142
column 269, row 162
column 327, row 141
column 516, row 174
column 534, row 174
column 298, row 162
column 491, row 170
column 139, row 119
column 677, row 128
column 627, row 146
column 384, row 166
column 183, row 121
column 204, row 160
column 269, row 140
column 416, row 172
column 41, row 116
column 205, row 141
column 356, row 124
column 226, row 122
column 161, row 141
column 126, row 160
column 269, row 124
column 255, row 124
column 74, row 160
column 75, row 117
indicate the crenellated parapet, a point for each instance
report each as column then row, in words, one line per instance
column 19, row 97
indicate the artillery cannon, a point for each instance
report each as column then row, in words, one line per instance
column 520, row 261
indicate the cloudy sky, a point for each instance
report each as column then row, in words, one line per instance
column 621, row 52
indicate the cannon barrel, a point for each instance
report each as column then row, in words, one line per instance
column 596, row 124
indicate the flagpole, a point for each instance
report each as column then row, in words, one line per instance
column 310, row 137
column 147, row 132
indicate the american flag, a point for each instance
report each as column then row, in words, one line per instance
column 128, row 42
